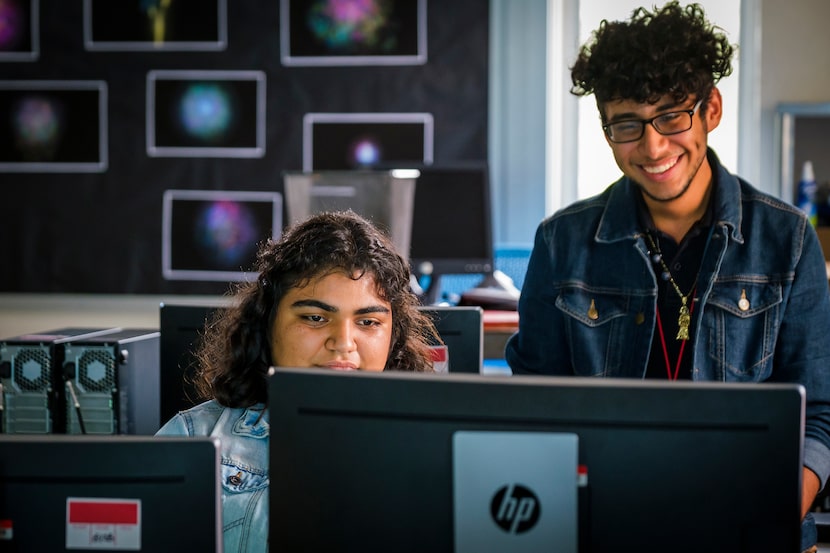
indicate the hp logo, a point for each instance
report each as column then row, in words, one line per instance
column 515, row 508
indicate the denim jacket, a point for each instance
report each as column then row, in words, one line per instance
column 595, row 251
column 243, row 434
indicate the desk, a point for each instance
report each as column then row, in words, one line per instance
column 498, row 327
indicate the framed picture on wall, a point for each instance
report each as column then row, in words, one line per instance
column 19, row 30
column 353, row 32
column 53, row 126
column 213, row 235
column 195, row 113
column 345, row 141
column 155, row 25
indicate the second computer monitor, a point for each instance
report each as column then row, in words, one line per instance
column 451, row 227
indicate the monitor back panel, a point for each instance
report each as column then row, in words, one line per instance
column 685, row 467
column 159, row 493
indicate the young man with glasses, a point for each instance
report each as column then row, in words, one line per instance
column 680, row 269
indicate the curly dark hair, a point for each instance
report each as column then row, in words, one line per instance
column 235, row 350
column 673, row 51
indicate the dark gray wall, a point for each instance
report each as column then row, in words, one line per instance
column 101, row 232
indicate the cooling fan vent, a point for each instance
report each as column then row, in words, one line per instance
column 32, row 369
column 96, row 370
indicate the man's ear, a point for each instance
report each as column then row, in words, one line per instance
column 714, row 110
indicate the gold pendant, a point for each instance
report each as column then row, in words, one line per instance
column 593, row 314
column 683, row 321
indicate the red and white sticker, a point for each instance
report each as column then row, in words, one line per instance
column 440, row 359
column 6, row 530
column 103, row 523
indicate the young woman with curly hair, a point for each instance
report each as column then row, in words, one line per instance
column 332, row 293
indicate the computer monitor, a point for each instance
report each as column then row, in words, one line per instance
column 364, row 461
column 451, row 226
column 385, row 198
column 110, row 493
column 462, row 330
column 181, row 327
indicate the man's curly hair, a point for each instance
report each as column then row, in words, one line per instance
column 673, row 51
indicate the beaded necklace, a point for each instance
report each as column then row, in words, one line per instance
column 684, row 315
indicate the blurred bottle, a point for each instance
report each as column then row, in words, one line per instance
column 807, row 192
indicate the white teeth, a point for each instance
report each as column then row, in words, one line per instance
column 660, row 168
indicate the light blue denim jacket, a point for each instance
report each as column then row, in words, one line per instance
column 594, row 250
column 243, row 434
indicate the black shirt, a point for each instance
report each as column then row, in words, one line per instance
column 683, row 261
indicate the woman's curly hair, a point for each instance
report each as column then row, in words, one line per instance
column 673, row 51
column 235, row 351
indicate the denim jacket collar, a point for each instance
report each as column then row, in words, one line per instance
column 253, row 423
column 619, row 219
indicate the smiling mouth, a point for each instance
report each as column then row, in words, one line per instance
column 662, row 168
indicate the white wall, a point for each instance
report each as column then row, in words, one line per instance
column 516, row 141
column 795, row 67
column 33, row 313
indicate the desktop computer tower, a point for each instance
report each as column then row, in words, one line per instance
column 110, row 383
column 29, row 396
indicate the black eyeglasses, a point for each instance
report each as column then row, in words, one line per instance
column 673, row 122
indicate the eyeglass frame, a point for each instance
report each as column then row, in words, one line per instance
column 643, row 122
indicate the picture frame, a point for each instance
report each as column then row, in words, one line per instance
column 385, row 32
column 198, row 113
column 344, row 141
column 213, row 235
column 130, row 25
column 20, row 32
column 53, row 126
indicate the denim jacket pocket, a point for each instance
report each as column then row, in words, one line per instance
column 244, row 506
column 743, row 322
column 594, row 324
column 238, row 479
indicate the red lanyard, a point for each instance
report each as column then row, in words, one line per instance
column 682, row 344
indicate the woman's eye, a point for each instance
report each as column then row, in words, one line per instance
column 315, row 318
column 368, row 322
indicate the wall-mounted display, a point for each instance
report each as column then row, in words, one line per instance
column 53, row 126
column 338, row 141
column 155, row 25
column 353, row 32
column 19, row 30
column 213, row 235
column 197, row 113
